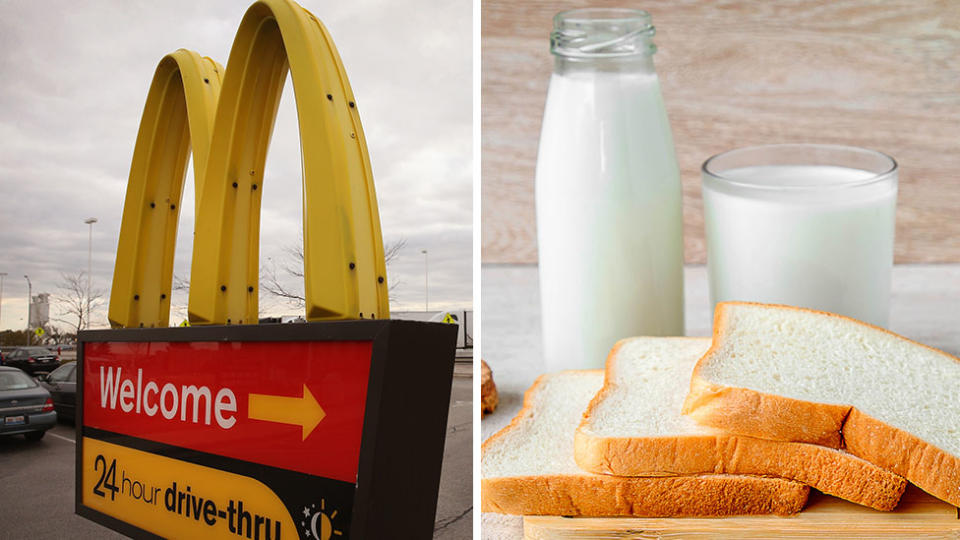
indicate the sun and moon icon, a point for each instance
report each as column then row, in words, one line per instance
column 318, row 524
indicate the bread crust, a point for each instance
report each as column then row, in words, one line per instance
column 827, row 470
column 678, row 496
column 598, row 495
column 928, row 467
column 830, row 471
column 748, row 412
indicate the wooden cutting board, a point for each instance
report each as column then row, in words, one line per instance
column 918, row 516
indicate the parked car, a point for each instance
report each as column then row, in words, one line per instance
column 32, row 359
column 25, row 406
column 62, row 385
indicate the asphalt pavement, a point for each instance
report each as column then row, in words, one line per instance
column 37, row 479
column 455, row 504
column 36, row 488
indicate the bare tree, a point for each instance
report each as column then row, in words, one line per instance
column 50, row 336
column 53, row 335
column 180, row 284
column 272, row 276
column 178, row 299
column 292, row 266
column 392, row 251
column 74, row 302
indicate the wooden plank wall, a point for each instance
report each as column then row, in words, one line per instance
column 877, row 74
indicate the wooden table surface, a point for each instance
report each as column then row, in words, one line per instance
column 878, row 74
column 925, row 306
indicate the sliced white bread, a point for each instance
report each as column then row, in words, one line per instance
column 634, row 427
column 793, row 374
column 528, row 468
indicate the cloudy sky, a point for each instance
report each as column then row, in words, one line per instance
column 75, row 77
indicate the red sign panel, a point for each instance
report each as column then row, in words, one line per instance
column 297, row 405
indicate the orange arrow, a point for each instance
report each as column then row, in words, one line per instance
column 300, row 411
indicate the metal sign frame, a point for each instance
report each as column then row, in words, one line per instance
column 404, row 425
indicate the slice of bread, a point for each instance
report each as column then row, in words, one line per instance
column 634, row 427
column 786, row 373
column 528, row 468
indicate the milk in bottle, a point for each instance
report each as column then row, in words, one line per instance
column 608, row 193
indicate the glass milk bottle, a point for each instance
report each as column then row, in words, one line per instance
column 608, row 193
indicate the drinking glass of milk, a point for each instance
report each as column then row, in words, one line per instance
column 807, row 225
column 608, row 194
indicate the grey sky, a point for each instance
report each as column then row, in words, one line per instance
column 75, row 76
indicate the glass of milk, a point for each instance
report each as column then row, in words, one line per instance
column 608, row 193
column 806, row 225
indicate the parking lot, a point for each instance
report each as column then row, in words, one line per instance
column 37, row 494
column 37, row 479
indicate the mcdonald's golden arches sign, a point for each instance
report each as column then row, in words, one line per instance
column 225, row 428
column 226, row 116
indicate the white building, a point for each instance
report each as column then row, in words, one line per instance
column 39, row 310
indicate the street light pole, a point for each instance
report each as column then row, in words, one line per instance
column 29, row 305
column 2, row 275
column 90, row 222
column 426, row 280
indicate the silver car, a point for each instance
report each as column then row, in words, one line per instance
column 25, row 406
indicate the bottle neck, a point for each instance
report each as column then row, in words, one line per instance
column 603, row 40
column 637, row 64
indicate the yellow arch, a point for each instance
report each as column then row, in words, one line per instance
column 345, row 274
column 179, row 110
